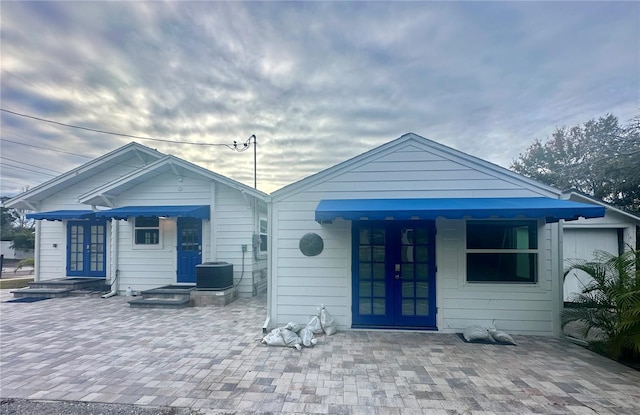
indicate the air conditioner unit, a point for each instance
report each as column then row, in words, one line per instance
column 214, row 276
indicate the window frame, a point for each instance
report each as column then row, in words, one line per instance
column 259, row 251
column 150, row 246
column 535, row 252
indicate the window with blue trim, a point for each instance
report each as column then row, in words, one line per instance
column 502, row 251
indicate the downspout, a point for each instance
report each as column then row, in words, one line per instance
column 115, row 272
column 36, row 254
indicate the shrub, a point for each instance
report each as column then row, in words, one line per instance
column 610, row 304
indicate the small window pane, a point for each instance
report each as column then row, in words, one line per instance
column 422, row 272
column 364, row 237
column 378, row 253
column 422, row 254
column 379, row 289
column 407, row 271
column 408, row 289
column 378, row 272
column 365, row 254
column 407, row 254
column 379, row 306
column 422, row 290
column 365, row 306
column 408, row 307
column 378, row 237
column 365, row 288
column 147, row 222
column 422, row 307
column 502, row 235
column 422, row 236
column 365, row 270
column 501, row 267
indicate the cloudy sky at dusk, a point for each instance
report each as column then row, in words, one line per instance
column 316, row 82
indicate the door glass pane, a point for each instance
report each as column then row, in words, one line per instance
column 422, row 236
column 365, row 238
column 378, row 253
column 407, row 271
column 365, row 306
column 378, row 272
column 407, row 254
column 422, row 272
column 379, row 288
column 365, row 271
column 378, row 236
column 365, row 288
column 365, row 254
column 422, row 254
column 422, row 290
column 422, row 307
column 408, row 289
column 379, row 306
column 408, row 307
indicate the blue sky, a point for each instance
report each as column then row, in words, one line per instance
column 316, row 82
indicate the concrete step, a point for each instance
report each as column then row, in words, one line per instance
column 159, row 303
column 169, row 292
column 41, row 292
column 71, row 283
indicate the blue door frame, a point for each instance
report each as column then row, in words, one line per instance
column 393, row 274
column 86, row 248
column 189, row 249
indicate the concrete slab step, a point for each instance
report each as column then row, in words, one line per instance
column 41, row 292
column 71, row 283
column 160, row 303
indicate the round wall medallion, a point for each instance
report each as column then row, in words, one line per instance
column 311, row 244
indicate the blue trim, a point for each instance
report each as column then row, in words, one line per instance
column 197, row 211
column 61, row 215
column 551, row 210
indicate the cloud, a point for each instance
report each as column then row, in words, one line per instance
column 317, row 83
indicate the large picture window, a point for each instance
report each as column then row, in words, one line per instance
column 502, row 251
column 147, row 231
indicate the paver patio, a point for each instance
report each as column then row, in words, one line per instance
column 211, row 359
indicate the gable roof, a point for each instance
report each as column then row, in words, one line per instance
column 103, row 195
column 32, row 197
column 421, row 143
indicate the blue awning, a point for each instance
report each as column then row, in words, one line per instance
column 551, row 210
column 61, row 215
column 198, row 211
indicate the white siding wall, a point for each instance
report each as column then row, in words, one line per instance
column 52, row 261
column 302, row 283
column 143, row 268
column 234, row 224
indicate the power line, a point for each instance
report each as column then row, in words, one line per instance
column 27, row 164
column 46, row 148
column 112, row 133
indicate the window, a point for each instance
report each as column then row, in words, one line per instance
column 147, row 231
column 262, row 248
column 502, row 251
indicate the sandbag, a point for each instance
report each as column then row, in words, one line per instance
column 327, row 322
column 273, row 338
column 314, row 325
column 291, row 339
column 477, row 334
column 294, row 327
column 282, row 337
column 307, row 337
column 501, row 337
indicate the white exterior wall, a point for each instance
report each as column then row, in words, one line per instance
column 51, row 253
column 300, row 284
column 234, row 224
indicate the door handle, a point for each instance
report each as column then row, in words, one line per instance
column 397, row 276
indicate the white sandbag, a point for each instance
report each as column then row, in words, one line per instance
column 314, row 325
column 501, row 337
column 307, row 337
column 291, row 339
column 273, row 338
column 294, row 327
column 477, row 334
column 327, row 322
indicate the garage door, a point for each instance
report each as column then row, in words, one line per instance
column 581, row 244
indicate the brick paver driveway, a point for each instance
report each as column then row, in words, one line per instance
column 211, row 359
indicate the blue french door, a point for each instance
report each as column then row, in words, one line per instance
column 394, row 274
column 189, row 248
column 86, row 253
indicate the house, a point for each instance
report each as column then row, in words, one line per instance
column 614, row 233
column 417, row 235
column 141, row 219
